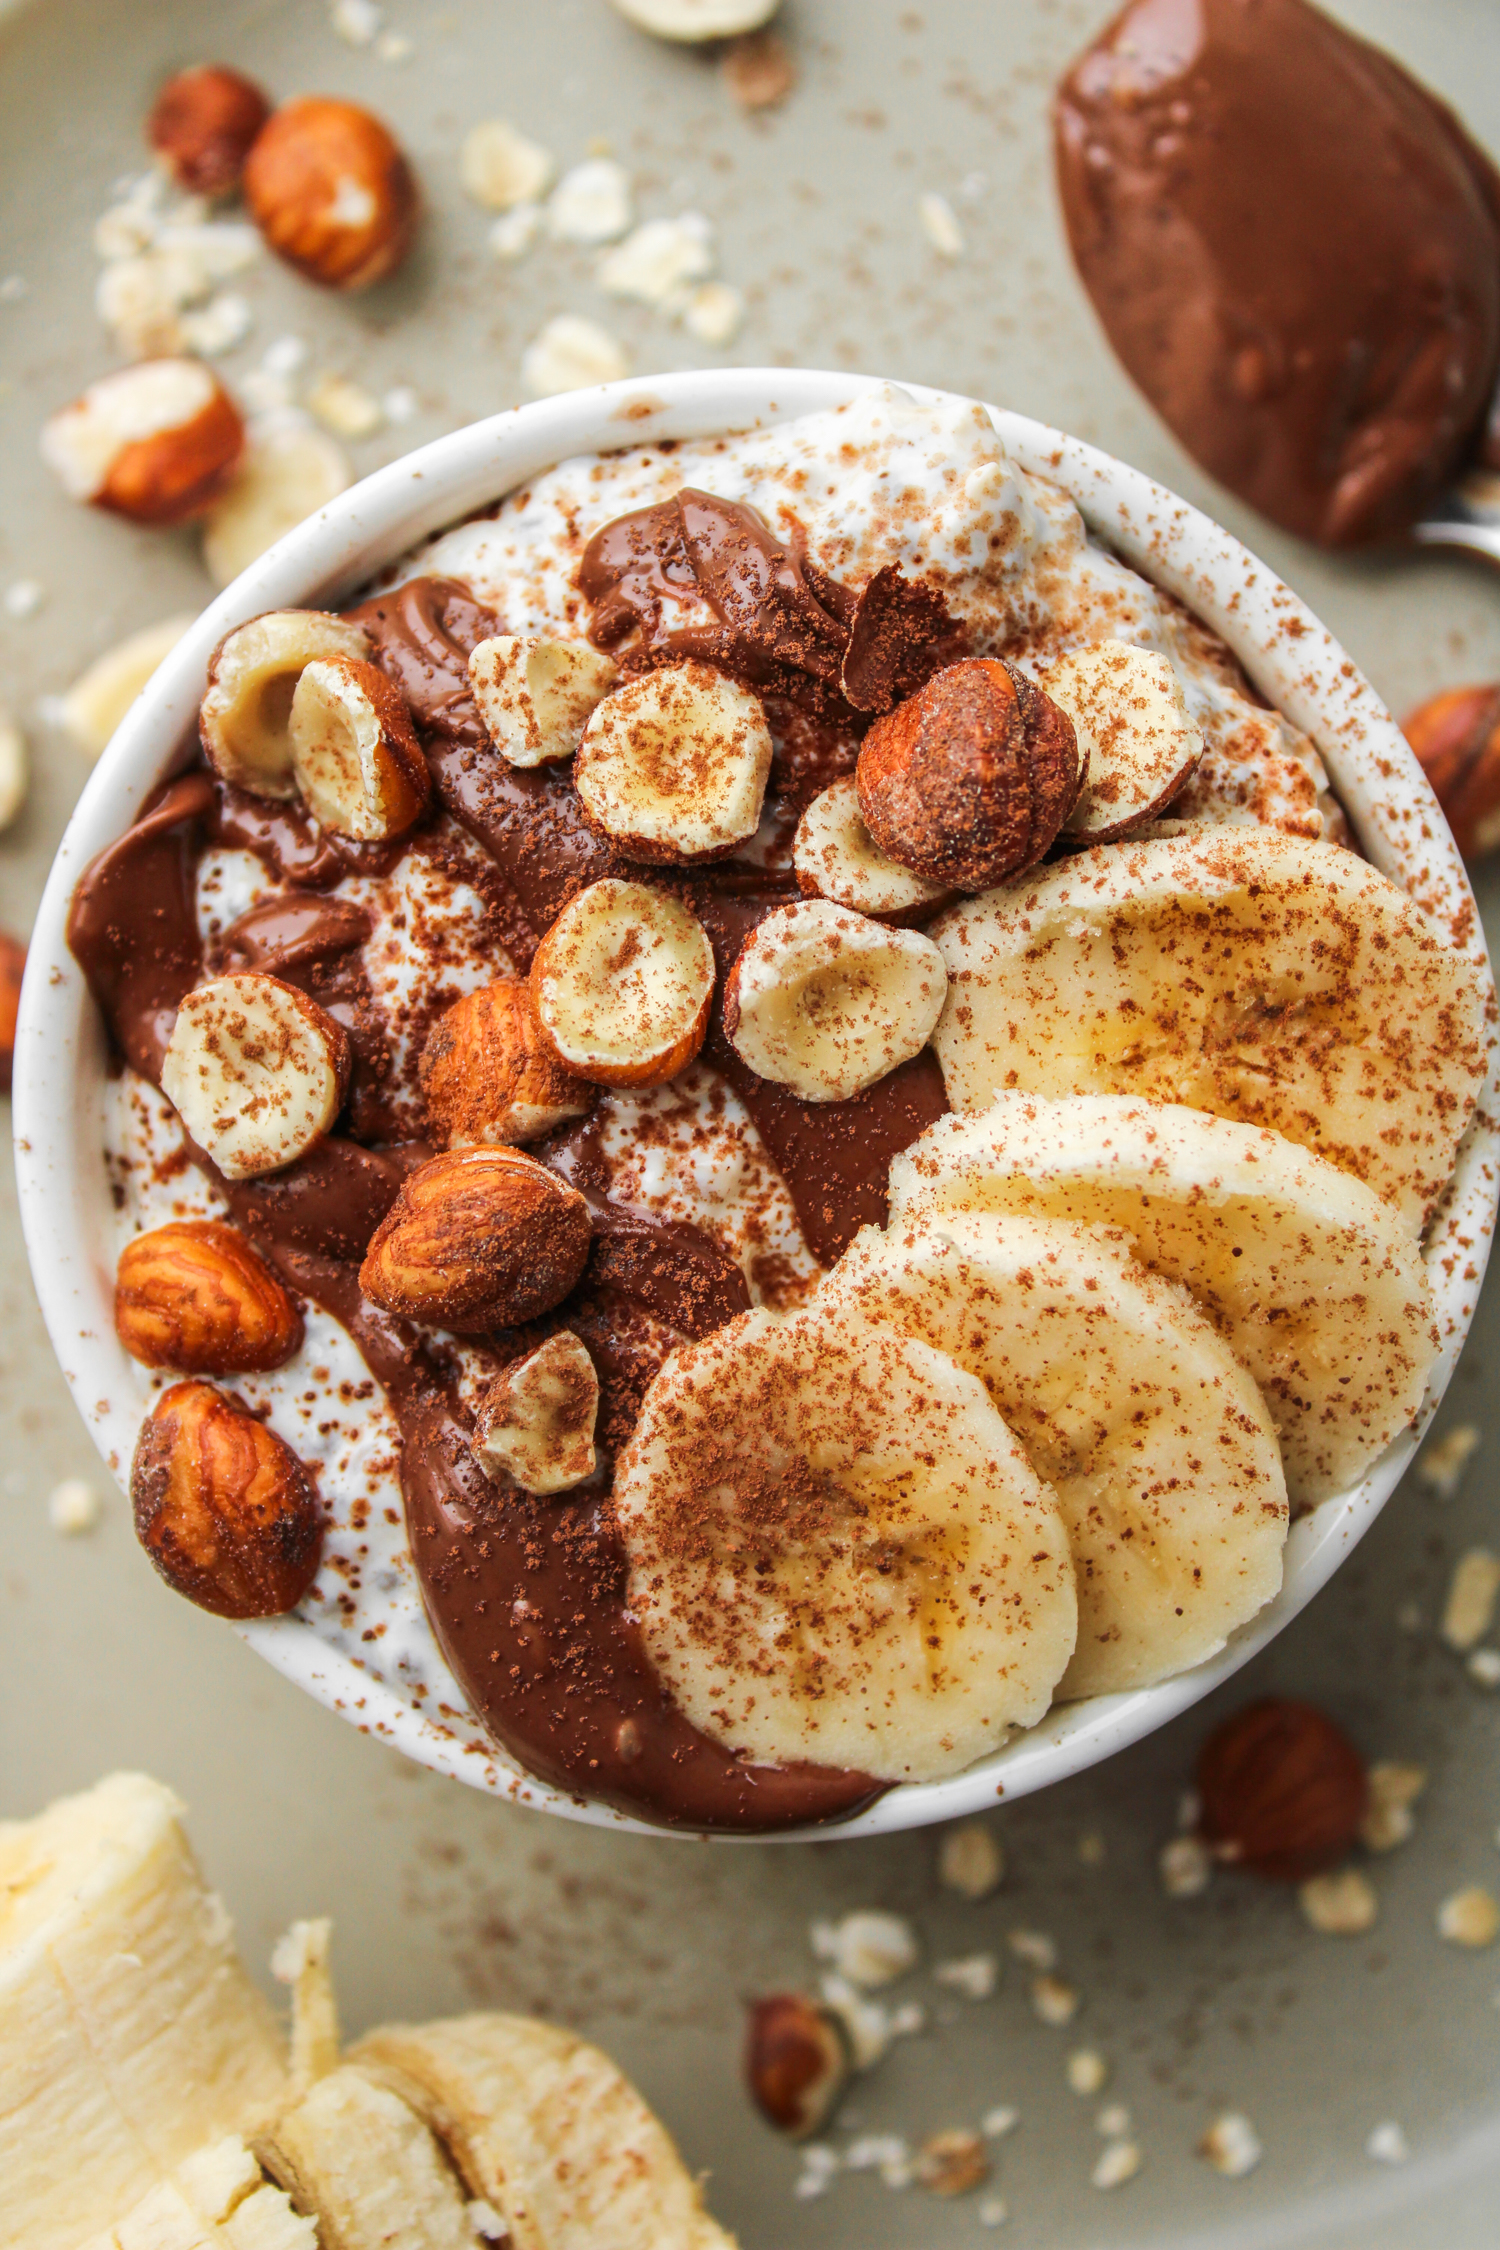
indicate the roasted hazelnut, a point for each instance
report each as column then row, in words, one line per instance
column 489, row 1075
column 12, row 969
column 224, row 1509
column 330, row 190
column 952, row 2162
column 202, row 124
column 193, row 1296
column 480, row 1238
column 796, row 2062
column 1283, row 1790
column 969, row 780
column 1456, row 737
column 157, row 442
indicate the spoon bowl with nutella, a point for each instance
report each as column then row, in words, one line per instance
column 756, row 1104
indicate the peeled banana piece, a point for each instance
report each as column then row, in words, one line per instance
column 355, row 2153
column 546, row 2130
column 1312, row 1279
column 838, row 1550
column 1128, row 1404
column 1260, row 976
column 130, row 2035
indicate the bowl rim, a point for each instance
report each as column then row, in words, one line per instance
column 1289, row 656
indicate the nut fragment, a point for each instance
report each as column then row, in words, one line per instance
column 796, row 2062
column 621, row 985
column 332, row 193
column 1231, row 2145
column 535, row 695
column 354, row 752
column 1394, row 1789
column 12, row 968
column 836, row 857
column 970, row 1861
column 1138, row 746
column 827, row 1002
column 489, row 1076
column 969, row 780
column 202, row 124
column 536, row 1421
column 673, row 766
column 244, row 718
column 870, row 1946
column 256, row 1071
column 480, row 1238
column 1456, row 737
column 224, row 1509
column 500, row 167
column 1469, row 1917
column 951, row 2163
column 1472, row 1595
column 193, row 1296
column 157, row 442
column 1283, row 1790
column 1341, row 1905
column 289, row 471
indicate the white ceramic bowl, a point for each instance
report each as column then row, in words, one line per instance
column 60, row 1053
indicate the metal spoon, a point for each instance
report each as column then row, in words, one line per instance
column 1468, row 516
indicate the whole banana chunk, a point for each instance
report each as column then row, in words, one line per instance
column 1257, row 975
column 130, row 2035
column 1137, row 1414
column 1314, row 1281
column 546, row 2130
column 838, row 1551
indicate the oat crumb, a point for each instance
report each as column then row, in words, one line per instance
column 1052, row 2001
column 1469, row 1917
column 1339, row 1905
column 974, row 1975
column 1442, row 1461
column 1185, row 1867
column 1394, row 1789
column 970, row 1861
column 997, row 2122
column 1472, row 1594
column 1231, row 2145
column 1117, row 2164
column 1387, row 2144
column 1087, row 2071
column 940, row 224
column 74, row 1507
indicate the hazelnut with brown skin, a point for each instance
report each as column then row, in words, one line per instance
column 193, row 1296
column 12, row 969
column 1456, row 736
column 969, row 781
column 480, row 1238
column 796, row 2062
column 332, row 193
column 225, row 1510
column 489, row 1075
column 1283, row 1790
column 202, row 124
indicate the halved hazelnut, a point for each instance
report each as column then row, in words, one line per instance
column 256, row 1071
column 673, row 766
column 480, row 1238
column 225, row 1510
column 193, row 1296
column 202, row 124
column 535, row 695
column 827, row 1002
column 156, row 442
column 970, row 779
column 796, row 2062
column 836, row 857
column 244, row 720
column 1456, row 737
column 1139, row 746
column 536, row 1421
column 12, row 970
column 490, row 1077
column 621, row 985
column 332, row 193
column 356, row 757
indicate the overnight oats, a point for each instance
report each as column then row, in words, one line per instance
column 765, row 1115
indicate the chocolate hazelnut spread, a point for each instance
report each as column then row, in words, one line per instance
column 1295, row 250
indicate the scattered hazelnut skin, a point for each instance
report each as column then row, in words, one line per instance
column 480, row 1238
column 12, row 968
column 969, row 781
column 193, row 1296
column 225, row 1510
column 1283, row 1790
column 1456, row 737
column 332, row 193
column 203, row 122
column 796, row 2062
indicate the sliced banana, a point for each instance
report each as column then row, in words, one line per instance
column 837, row 858
column 544, row 2128
column 130, row 2036
column 290, row 469
column 1128, row 1404
column 256, row 1071
column 354, row 752
column 839, row 1552
column 1312, row 1279
column 266, row 2221
column 673, row 766
column 536, row 1420
column 535, row 695
column 1238, row 970
column 827, row 1002
column 355, row 2155
column 244, row 720
column 92, row 708
column 698, row 19
column 1128, row 712
column 621, row 985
